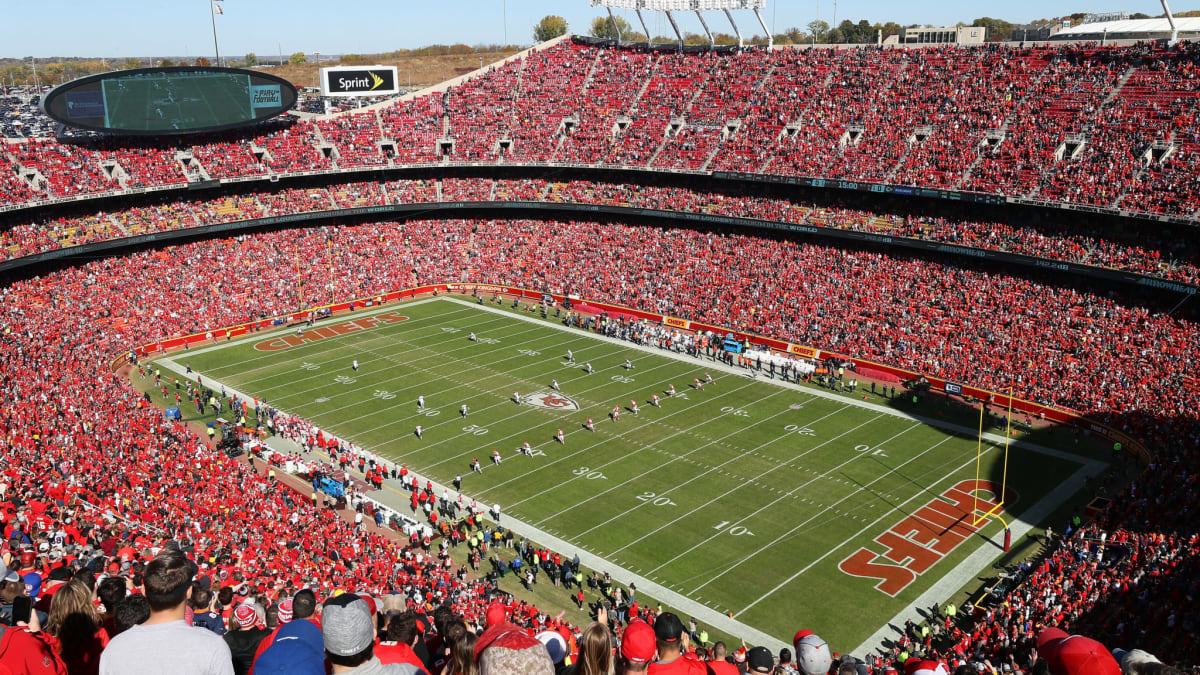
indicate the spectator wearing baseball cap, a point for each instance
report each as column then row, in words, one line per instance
column 248, row 632
column 296, row 646
column 672, row 641
column 1075, row 654
column 812, row 653
column 638, row 646
column 348, row 628
column 759, row 660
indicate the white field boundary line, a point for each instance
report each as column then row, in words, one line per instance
column 811, row 390
column 289, row 330
column 707, row 615
column 298, row 352
column 701, row 612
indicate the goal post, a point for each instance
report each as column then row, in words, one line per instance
column 979, row 516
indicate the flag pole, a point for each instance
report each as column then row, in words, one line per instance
column 212, row 14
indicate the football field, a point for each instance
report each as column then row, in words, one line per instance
column 785, row 506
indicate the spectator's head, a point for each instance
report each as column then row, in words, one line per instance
column 719, row 651
column 595, row 650
column 919, row 666
column 225, row 596
column 462, row 653
column 638, row 646
column 668, row 632
column 1075, row 654
column 131, row 611
column 167, row 581
column 304, row 604
column 759, row 660
column 403, row 628
column 349, row 631
column 285, row 611
column 506, row 649
column 200, row 599
column 812, row 653
column 785, row 656
column 72, row 611
column 245, row 617
column 1138, row 662
column 111, row 591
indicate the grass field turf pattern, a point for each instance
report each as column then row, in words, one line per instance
column 743, row 496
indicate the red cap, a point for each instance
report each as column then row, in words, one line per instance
column 1075, row 654
column 27, row 558
column 496, row 613
column 638, row 642
column 246, row 616
column 285, row 611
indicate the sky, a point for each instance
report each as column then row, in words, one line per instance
column 183, row 27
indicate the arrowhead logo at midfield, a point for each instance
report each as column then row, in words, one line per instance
column 550, row 399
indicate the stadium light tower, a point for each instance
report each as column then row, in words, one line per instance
column 697, row 6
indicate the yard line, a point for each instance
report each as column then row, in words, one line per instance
column 628, row 455
column 332, row 319
column 529, row 430
column 832, row 506
column 606, row 439
column 507, row 401
column 323, row 346
column 388, row 357
column 689, row 453
column 749, row 481
column 854, row 536
column 323, row 323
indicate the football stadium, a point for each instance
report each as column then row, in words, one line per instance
column 697, row 353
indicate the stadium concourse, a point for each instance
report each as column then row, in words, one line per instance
column 96, row 485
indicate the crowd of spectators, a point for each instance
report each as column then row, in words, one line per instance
column 117, row 492
column 1155, row 255
column 1080, row 124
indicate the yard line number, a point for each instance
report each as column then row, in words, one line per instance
column 655, row 499
column 736, row 530
column 586, row 472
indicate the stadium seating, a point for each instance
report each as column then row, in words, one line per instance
column 1172, row 259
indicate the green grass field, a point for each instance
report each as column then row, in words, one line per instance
column 744, row 496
